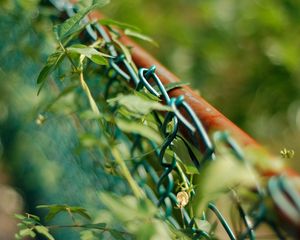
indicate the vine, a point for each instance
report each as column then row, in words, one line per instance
column 138, row 139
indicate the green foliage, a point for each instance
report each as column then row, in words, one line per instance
column 141, row 129
column 129, row 30
column 138, row 217
column 138, row 35
column 56, row 209
column 139, row 104
column 30, row 226
column 71, row 25
column 52, row 63
column 119, row 122
column 64, row 33
column 122, row 25
column 106, row 133
column 89, row 52
column 96, row 3
column 126, row 211
column 212, row 188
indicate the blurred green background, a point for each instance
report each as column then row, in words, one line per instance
column 243, row 57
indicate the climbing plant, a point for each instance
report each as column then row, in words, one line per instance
column 128, row 126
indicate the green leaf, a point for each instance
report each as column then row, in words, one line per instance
column 188, row 154
column 34, row 217
column 29, row 222
column 100, row 60
column 99, row 226
column 81, row 211
column 21, row 225
column 89, row 52
column 44, row 231
column 191, row 169
column 138, row 128
column 138, row 104
column 111, row 22
column 27, row 232
column 100, row 3
column 51, row 64
column 20, row 216
column 96, row 3
column 28, row 219
column 71, row 25
column 17, row 236
column 86, row 51
column 117, row 235
column 56, row 209
column 229, row 172
column 53, row 210
column 138, row 35
column 123, row 48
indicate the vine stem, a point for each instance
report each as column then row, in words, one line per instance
column 182, row 175
column 67, row 54
column 125, row 171
column 127, row 175
column 86, row 89
column 85, row 226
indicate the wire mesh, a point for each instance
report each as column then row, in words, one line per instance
column 163, row 194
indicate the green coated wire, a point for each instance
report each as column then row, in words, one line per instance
column 165, row 183
column 222, row 220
